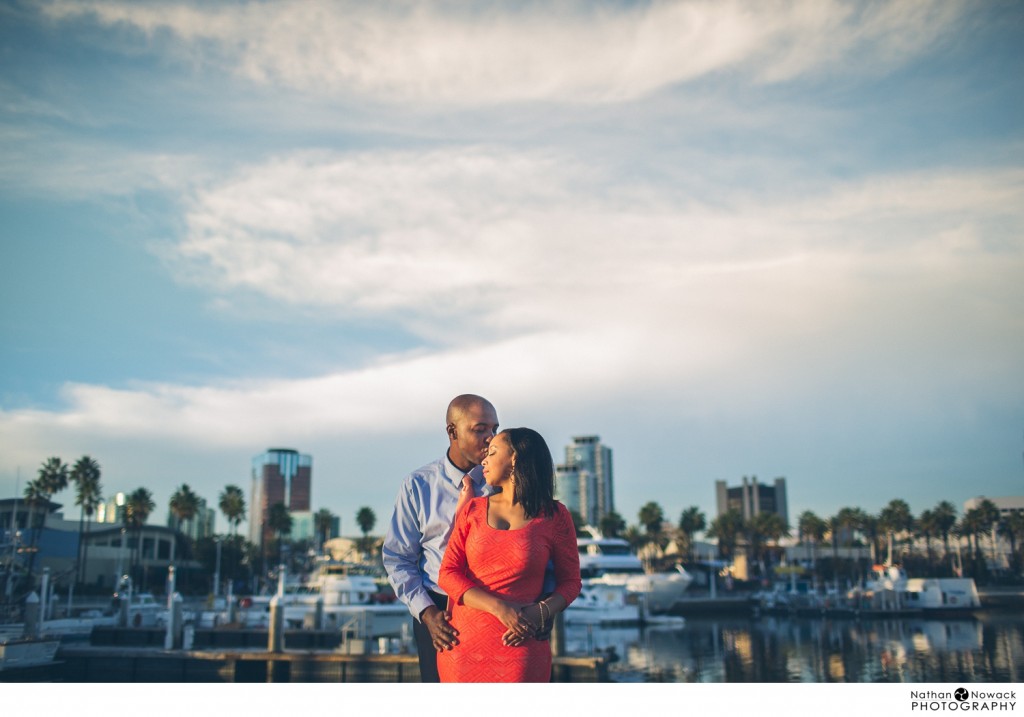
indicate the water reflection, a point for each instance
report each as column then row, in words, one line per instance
column 987, row 649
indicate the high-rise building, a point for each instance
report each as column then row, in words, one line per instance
column 751, row 498
column 584, row 482
column 281, row 475
column 112, row 511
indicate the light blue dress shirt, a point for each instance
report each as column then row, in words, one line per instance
column 419, row 530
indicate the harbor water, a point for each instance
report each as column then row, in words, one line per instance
column 986, row 648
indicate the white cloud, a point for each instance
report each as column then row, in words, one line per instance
column 461, row 54
column 538, row 281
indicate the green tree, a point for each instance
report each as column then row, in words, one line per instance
column 727, row 529
column 634, row 537
column 280, row 521
column 989, row 518
column 762, row 530
column 366, row 519
column 895, row 520
column 137, row 508
column 232, row 505
column 811, row 530
column 35, row 499
column 612, row 524
column 945, row 521
column 184, row 505
column 927, row 528
column 51, row 479
column 691, row 522
column 323, row 520
column 651, row 517
column 88, row 495
column 1012, row 526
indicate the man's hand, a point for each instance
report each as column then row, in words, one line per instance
column 442, row 634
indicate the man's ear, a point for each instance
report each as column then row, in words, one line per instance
column 451, row 430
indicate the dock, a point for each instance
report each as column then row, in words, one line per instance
column 90, row 664
column 133, row 655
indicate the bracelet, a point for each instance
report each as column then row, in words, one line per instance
column 542, row 605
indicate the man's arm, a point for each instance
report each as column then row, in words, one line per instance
column 402, row 552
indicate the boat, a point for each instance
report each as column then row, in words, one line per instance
column 336, row 596
column 890, row 589
column 609, row 561
column 603, row 604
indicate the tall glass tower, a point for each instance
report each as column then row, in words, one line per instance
column 281, row 475
column 584, row 482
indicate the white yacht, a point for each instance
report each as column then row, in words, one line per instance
column 609, row 561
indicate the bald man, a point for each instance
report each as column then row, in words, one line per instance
column 421, row 523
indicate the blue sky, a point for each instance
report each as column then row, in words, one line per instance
column 771, row 239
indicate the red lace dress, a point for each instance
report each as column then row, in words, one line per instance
column 510, row 564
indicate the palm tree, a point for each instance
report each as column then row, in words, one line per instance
column 184, row 505
column 138, row 505
column 35, row 496
column 634, row 537
column 1012, row 526
column 895, row 519
column 927, row 528
column 811, row 529
column 323, row 520
column 89, row 495
column 989, row 517
column 232, row 505
column 612, row 524
column 280, row 521
column 762, row 529
column 691, row 522
column 970, row 526
column 727, row 529
column 945, row 520
column 51, row 479
column 366, row 519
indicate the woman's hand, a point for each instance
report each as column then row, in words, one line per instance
column 526, row 627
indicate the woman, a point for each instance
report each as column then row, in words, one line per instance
column 493, row 568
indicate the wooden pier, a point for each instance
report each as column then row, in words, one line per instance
column 140, row 664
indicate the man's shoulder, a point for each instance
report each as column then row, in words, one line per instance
column 426, row 474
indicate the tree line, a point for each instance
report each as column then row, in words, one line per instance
column 894, row 528
column 239, row 558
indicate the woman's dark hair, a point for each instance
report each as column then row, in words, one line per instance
column 534, row 472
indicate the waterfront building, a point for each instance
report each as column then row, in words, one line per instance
column 1006, row 505
column 280, row 475
column 751, row 498
column 584, row 482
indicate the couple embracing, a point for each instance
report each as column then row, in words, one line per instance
column 470, row 541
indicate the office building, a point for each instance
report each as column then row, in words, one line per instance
column 751, row 498
column 281, row 475
column 584, row 482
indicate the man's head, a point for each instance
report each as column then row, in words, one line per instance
column 471, row 423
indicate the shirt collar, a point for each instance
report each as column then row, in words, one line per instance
column 455, row 474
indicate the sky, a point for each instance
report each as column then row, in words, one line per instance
column 729, row 238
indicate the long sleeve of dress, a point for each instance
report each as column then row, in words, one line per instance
column 453, row 576
column 566, row 556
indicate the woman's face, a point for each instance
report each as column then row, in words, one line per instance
column 498, row 463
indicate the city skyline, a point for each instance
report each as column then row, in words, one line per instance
column 731, row 239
